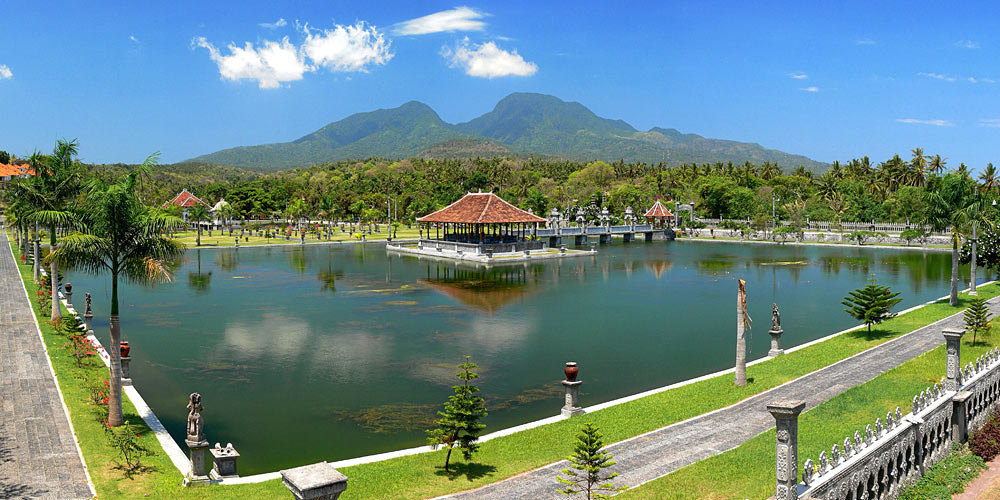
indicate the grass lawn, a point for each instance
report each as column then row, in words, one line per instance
column 748, row 470
column 420, row 476
column 222, row 238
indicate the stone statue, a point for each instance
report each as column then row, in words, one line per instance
column 87, row 298
column 195, row 423
column 775, row 318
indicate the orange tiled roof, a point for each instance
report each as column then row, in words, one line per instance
column 15, row 170
column 185, row 199
column 480, row 208
column 658, row 210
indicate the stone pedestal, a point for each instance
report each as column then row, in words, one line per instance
column 223, row 462
column 126, row 372
column 959, row 417
column 953, row 368
column 196, row 452
column 775, row 342
column 786, row 421
column 572, row 406
column 68, row 292
column 88, row 321
column 314, row 482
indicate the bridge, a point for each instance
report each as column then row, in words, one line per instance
column 604, row 233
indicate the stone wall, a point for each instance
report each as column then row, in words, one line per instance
column 819, row 237
column 892, row 453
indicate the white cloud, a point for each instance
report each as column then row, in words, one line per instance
column 457, row 19
column 936, row 123
column 488, row 60
column 280, row 23
column 989, row 122
column 865, row 41
column 938, row 76
column 343, row 48
column 967, row 44
column 133, row 39
column 271, row 64
column 5, row 72
column 798, row 75
column 346, row 48
column 810, row 89
column 954, row 78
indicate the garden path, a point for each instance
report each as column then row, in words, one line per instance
column 38, row 454
column 660, row 452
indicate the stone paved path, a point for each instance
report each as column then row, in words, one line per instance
column 38, row 454
column 660, row 452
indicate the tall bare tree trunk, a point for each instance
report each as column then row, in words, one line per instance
column 115, row 417
column 54, row 276
column 36, row 256
column 953, row 298
column 741, row 341
column 972, row 271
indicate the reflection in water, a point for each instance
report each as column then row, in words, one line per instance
column 484, row 289
column 328, row 278
column 199, row 281
column 657, row 266
column 227, row 260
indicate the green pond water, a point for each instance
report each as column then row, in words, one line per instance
column 313, row 353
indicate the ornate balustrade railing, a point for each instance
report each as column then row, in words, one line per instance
column 877, row 462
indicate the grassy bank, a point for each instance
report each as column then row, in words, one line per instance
column 420, row 476
column 748, row 470
column 222, row 238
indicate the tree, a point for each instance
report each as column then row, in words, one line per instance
column 198, row 213
column 4, row 157
column 125, row 238
column 589, row 459
column 913, row 234
column 871, row 304
column 460, row 424
column 947, row 208
column 977, row 317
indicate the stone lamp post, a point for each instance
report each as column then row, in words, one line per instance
column 314, row 482
column 572, row 385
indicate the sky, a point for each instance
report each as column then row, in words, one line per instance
column 830, row 80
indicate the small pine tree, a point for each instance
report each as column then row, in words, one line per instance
column 589, row 459
column 460, row 424
column 871, row 304
column 977, row 317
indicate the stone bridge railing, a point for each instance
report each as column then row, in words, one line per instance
column 879, row 461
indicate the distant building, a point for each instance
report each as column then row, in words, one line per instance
column 11, row 172
column 658, row 215
column 186, row 201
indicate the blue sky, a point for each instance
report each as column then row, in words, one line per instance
column 831, row 80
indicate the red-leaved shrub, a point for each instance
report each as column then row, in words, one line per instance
column 985, row 442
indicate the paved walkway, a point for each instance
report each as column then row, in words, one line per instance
column 38, row 454
column 660, row 452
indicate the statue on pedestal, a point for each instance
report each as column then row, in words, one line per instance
column 775, row 332
column 87, row 298
column 775, row 318
column 195, row 422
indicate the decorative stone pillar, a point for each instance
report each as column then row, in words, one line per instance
column 224, row 461
column 126, row 371
column 960, row 417
column 775, row 342
column 88, row 316
column 314, row 482
column 572, row 401
column 68, row 291
column 237, row 242
column 786, row 422
column 953, row 368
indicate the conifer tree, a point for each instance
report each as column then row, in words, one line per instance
column 460, row 424
column 589, row 460
column 977, row 317
column 871, row 304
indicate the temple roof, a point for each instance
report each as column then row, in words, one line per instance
column 480, row 208
column 658, row 210
column 185, row 199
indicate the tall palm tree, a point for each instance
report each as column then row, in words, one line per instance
column 937, row 164
column 988, row 178
column 122, row 236
column 198, row 213
column 960, row 214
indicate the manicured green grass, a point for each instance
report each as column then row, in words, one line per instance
column 222, row 238
column 420, row 476
column 947, row 477
column 748, row 470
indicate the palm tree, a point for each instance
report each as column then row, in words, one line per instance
column 124, row 237
column 937, row 164
column 918, row 167
column 51, row 191
column 960, row 215
column 198, row 213
column 989, row 178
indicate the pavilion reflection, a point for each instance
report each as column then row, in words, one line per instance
column 486, row 289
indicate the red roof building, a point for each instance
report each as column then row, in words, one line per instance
column 8, row 172
column 481, row 218
column 185, row 199
column 658, row 213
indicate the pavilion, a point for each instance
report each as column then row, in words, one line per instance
column 481, row 223
column 186, row 201
column 658, row 214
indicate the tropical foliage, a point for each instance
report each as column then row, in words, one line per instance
column 871, row 304
column 459, row 425
column 588, row 462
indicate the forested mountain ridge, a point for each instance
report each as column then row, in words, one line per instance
column 520, row 124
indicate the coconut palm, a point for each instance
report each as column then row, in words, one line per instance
column 198, row 213
column 988, row 178
column 918, row 168
column 120, row 235
column 961, row 213
column 937, row 164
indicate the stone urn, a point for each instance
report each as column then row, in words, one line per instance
column 124, row 348
column 68, row 287
column 571, row 370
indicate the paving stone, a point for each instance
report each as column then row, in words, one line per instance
column 38, row 455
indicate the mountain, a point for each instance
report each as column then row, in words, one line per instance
column 520, row 124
